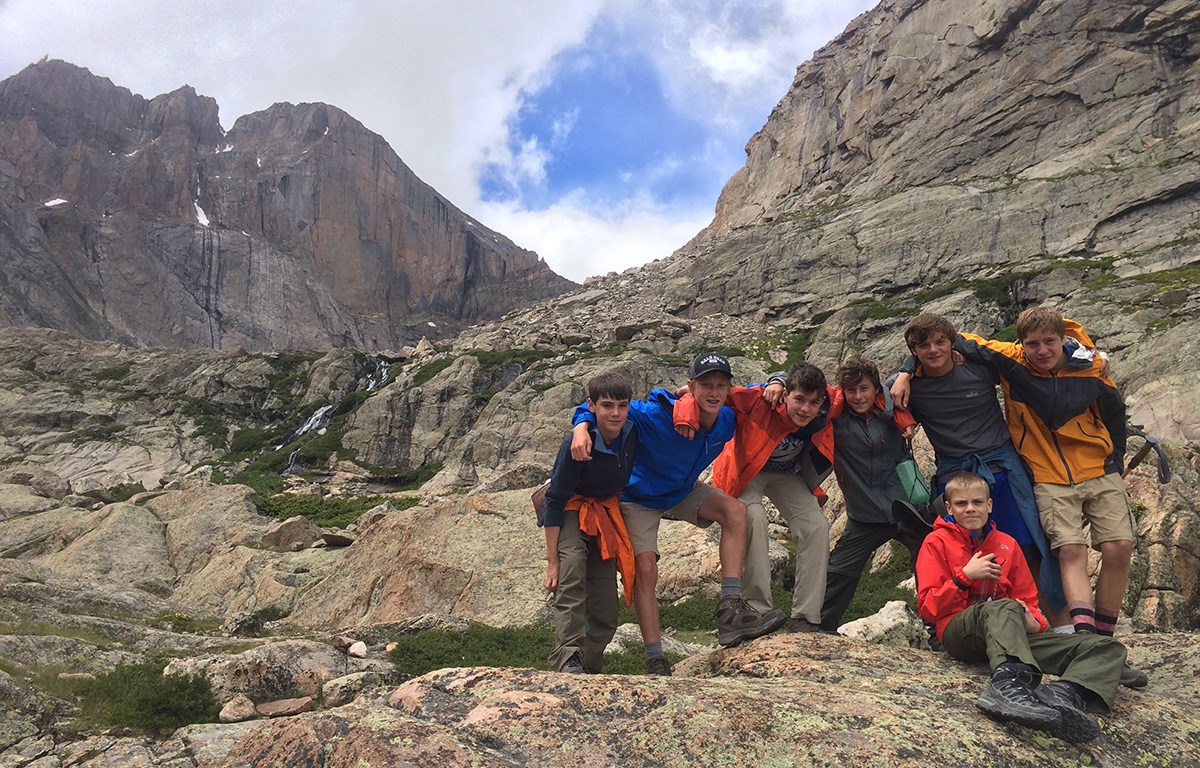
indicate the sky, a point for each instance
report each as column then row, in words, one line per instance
column 598, row 133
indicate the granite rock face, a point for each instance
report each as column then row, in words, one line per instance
column 936, row 141
column 782, row 700
column 144, row 221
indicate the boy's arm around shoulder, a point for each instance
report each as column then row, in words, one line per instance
column 742, row 400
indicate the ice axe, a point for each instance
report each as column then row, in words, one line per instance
column 1164, row 466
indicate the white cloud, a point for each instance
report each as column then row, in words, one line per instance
column 441, row 83
column 578, row 243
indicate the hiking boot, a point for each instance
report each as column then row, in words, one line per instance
column 802, row 625
column 1077, row 725
column 574, row 665
column 935, row 644
column 1009, row 696
column 737, row 622
column 1133, row 678
column 659, row 665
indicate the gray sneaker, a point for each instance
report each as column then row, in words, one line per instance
column 737, row 622
column 1077, row 725
column 1009, row 696
column 659, row 666
column 574, row 665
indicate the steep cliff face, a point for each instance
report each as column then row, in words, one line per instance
column 142, row 220
column 936, row 140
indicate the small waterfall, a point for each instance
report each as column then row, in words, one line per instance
column 291, row 465
column 380, row 377
column 320, row 418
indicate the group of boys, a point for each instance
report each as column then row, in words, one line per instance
column 630, row 463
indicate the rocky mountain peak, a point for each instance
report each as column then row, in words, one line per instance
column 141, row 220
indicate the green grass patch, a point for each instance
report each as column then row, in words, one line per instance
column 696, row 614
column 349, row 402
column 484, row 646
column 328, row 512
column 175, row 621
column 29, row 627
column 426, row 372
column 262, row 483
column 521, row 357
column 876, row 589
column 479, row 646
column 406, row 479
column 140, row 697
column 253, row 439
column 114, row 372
column 1008, row 333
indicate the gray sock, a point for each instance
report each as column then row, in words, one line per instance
column 731, row 585
column 654, row 650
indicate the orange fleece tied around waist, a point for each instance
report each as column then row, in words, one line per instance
column 601, row 519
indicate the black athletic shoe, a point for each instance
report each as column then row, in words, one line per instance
column 1009, row 696
column 1077, row 725
column 659, row 666
column 802, row 626
column 737, row 622
column 1133, row 678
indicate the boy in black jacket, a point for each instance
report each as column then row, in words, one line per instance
column 586, row 541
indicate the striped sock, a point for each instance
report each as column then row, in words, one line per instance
column 1083, row 616
column 1106, row 621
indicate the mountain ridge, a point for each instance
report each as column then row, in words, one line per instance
column 143, row 221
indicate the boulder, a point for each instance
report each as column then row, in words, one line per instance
column 238, row 709
column 285, row 707
column 42, row 481
column 20, row 500
column 343, row 690
column 119, row 543
column 273, row 671
column 206, row 520
column 422, row 560
column 291, row 532
column 894, row 624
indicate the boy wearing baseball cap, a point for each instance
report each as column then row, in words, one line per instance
column 664, row 484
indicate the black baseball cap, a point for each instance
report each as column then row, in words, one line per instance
column 707, row 362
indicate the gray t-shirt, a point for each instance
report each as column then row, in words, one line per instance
column 959, row 411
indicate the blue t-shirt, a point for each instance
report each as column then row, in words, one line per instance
column 667, row 464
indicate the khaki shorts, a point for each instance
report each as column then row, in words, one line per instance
column 1101, row 501
column 642, row 522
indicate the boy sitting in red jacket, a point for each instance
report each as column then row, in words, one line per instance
column 975, row 586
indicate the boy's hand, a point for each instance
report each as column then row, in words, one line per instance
column 581, row 442
column 957, row 357
column 685, row 430
column 909, row 431
column 1105, row 367
column 773, row 394
column 552, row 575
column 900, row 389
column 982, row 566
column 1032, row 626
